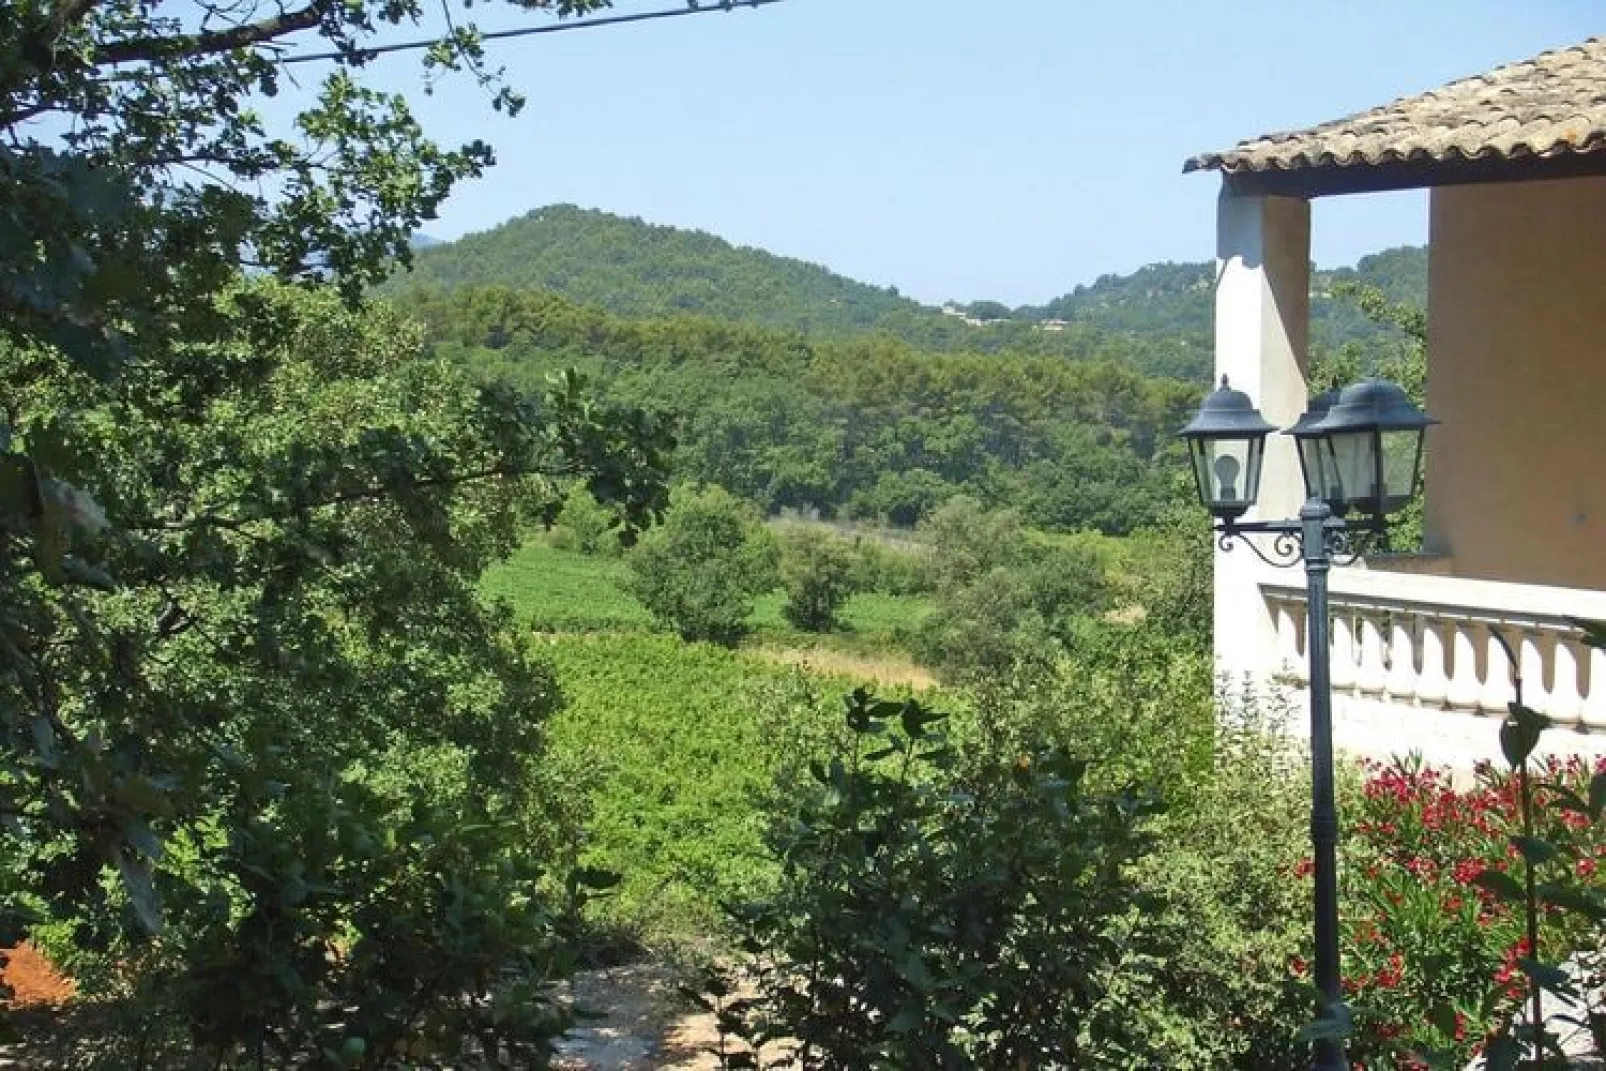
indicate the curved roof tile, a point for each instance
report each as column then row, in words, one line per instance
column 1551, row 105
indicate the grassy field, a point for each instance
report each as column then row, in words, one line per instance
column 564, row 591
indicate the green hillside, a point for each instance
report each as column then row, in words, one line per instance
column 1176, row 300
column 1156, row 319
column 636, row 269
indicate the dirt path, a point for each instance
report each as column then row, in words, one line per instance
column 643, row 1022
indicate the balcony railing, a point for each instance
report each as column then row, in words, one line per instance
column 1430, row 642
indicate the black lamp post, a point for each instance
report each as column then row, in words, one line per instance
column 1360, row 452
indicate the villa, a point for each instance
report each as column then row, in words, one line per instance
column 1515, row 476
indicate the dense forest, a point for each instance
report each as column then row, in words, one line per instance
column 1156, row 320
column 862, row 427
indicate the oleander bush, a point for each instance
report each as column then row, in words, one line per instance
column 1435, row 934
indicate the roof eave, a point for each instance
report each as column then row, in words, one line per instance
column 1332, row 179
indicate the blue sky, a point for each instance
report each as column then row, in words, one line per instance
column 961, row 149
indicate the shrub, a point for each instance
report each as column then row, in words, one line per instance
column 1005, row 605
column 1435, row 939
column 888, row 569
column 930, row 921
column 817, row 573
column 968, row 542
column 585, row 525
column 700, row 571
column 1225, row 912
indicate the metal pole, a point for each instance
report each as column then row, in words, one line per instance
column 1328, row 1054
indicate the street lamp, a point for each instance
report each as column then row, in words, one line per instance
column 1360, row 453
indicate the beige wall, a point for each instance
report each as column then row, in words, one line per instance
column 1516, row 474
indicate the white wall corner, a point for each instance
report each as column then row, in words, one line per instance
column 1262, row 333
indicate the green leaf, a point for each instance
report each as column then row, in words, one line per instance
column 1594, row 631
column 79, row 571
column 1502, row 1053
column 352, row 1051
column 1546, row 975
column 141, row 838
column 1501, row 884
column 141, row 889
column 1520, row 733
column 1536, row 851
column 1580, row 901
column 1443, row 1018
column 1597, row 795
column 907, row 1020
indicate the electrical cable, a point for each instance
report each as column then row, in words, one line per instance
column 691, row 8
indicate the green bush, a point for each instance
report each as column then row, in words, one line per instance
column 936, row 921
column 585, row 525
column 817, row 573
column 1006, row 605
column 890, row 570
column 1225, row 912
column 700, row 570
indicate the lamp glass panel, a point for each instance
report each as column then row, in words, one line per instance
column 1321, row 478
column 1402, row 454
column 1227, row 471
column 1354, row 458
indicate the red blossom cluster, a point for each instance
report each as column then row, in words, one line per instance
column 1423, row 933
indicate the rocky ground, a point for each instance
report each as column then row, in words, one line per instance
column 641, row 1021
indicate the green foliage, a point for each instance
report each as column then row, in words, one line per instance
column 1401, row 356
column 700, row 571
column 1157, row 319
column 929, row 920
column 890, row 568
column 297, row 512
column 1174, row 574
column 635, row 269
column 865, row 426
column 668, row 750
column 817, row 573
column 1226, row 915
column 586, row 525
column 1006, row 605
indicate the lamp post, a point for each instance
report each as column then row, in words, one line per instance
column 1360, row 453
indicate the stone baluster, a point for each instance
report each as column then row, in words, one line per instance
column 1401, row 680
column 1495, row 697
column 1566, row 694
column 1343, row 650
column 1371, row 672
column 1432, row 680
column 1531, row 660
column 1465, row 689
column 1594, row 711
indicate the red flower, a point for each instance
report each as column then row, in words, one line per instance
column 1303, row 868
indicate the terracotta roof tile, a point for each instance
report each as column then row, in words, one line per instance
column 1551, row 105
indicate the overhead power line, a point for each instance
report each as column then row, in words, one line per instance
column 707, row 7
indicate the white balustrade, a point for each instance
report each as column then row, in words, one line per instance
column 1434, row 642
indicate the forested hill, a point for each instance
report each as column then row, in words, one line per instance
column 636, row 269
column 1176, row 299
column 1157, row 319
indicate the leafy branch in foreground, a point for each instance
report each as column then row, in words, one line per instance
column 296, row 744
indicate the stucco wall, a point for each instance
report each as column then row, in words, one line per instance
column 1516, row 474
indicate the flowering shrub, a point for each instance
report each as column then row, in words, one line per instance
column 1434, row 944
